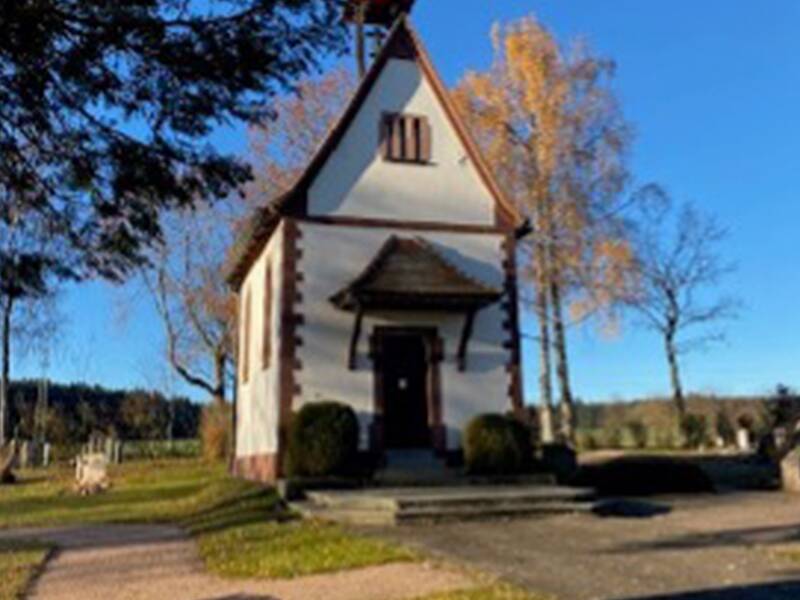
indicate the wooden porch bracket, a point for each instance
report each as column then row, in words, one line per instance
column 466, row 334
column 353, row 353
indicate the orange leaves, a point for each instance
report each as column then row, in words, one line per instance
column 550, row 126
column 281, row 147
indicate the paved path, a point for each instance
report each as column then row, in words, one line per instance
column 710, row 548
column 127, row 562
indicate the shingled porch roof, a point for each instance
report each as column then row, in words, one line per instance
column 409, row 273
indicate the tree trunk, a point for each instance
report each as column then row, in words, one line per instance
column 542, row 309
column 675, row 376
column 547, row 432
column 567, row 404
column 5, row 424
column 220, row 362
column 361, row 55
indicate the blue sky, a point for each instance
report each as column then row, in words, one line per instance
column 713, row 89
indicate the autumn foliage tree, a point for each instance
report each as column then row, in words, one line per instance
column 549, row 123
column 281, row 148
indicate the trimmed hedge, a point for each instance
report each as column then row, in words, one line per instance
column 323, row 441
column 644, row 476
column 497, row 445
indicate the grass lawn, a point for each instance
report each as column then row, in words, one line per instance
column 241, row 528
column 19, row 562
column 498, row 591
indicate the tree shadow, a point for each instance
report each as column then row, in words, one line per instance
column 775, row 590
column 751, row 536
column 244, row 597
column 630, row 508
column 258, row 506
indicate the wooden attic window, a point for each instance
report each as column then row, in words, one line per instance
column 406, row 138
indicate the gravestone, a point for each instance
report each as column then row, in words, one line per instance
column 46, row 449
column 743, row 440
column 91, row 474
column 790, row 472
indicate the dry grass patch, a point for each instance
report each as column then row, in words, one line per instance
column 496, row 591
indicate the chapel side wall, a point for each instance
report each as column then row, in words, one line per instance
column 332, row 257
column 257, row 414
column 358, row 182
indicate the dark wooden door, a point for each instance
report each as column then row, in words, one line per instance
column 405, row 391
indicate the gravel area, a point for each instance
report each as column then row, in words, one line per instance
column 145, row 562
column 720, row 547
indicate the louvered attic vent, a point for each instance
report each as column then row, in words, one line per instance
column 406, row 138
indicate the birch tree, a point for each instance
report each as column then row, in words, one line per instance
column 549, row 123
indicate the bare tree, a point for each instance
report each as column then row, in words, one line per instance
column 185, row 276
column 678, row 269
column 32, row 262
column 186, row 283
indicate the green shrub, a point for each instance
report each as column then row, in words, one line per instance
column 641, row 476
column 664, row 438
column 725, row 429
column 560, row 460
column 586, row 440
column 634, row 435
column 611, row 438
column 215, row 432
column 323, row 441
column 161, row 449
column 497, row 445
column 695, row 431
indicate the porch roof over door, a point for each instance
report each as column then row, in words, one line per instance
column 410, row 273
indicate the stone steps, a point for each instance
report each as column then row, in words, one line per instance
column 459, row 503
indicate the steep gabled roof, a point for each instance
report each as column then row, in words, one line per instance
column 411, row 273
column 402, row 42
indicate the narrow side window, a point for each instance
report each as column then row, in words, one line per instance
column 245, row 367
column 266, row 348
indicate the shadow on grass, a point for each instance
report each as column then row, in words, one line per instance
column 776, row 590
column 260, row 505
column 66, row 500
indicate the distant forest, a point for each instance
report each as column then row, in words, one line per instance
column 74, row 411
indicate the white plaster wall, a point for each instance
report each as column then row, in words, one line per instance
column 257, row 400
column 332, row 257
column 357, row 181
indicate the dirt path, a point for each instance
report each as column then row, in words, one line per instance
column 711, row 548
column 144, row 562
